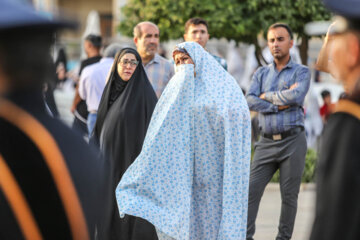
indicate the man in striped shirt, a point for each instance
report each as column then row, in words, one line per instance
column 158, row 69
column 277, row 92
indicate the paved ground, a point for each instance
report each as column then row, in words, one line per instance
column 269, row 212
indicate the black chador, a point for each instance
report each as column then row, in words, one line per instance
column 123, row 117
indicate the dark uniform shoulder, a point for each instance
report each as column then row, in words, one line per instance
column 34, row 159
column 28, row 166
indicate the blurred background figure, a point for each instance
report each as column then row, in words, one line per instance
column 338, row 183
column 48, row 91
column 92, row 28
column 313, row 122
column 52, row 186
column 92, row 46
column 235, row 63
column 92, row 83
column 327, row 108
column 61, row 67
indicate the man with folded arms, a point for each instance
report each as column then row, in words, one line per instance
column 277, row 92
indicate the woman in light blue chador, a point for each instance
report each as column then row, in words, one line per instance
column 191, row 177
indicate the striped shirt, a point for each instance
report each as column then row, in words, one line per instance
column 276, row 86
column 159, row 71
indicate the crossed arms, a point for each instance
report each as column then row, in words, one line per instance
column 274, row 101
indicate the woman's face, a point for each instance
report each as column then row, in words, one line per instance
column 182, row 58
column 127, row 66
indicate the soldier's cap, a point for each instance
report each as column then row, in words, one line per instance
column 346, row 8
column 16, row 15
column 348, row 15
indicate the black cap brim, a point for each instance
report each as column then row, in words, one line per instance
column 346, row 8
column 14, row 15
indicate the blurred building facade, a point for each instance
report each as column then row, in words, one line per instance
column 108, row 10
column 109, row 16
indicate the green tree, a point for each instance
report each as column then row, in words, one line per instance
column 240, row 20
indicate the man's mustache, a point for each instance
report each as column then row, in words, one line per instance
column 151, row 45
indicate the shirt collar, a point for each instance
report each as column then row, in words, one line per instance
column 156, row 59
column 288, row 65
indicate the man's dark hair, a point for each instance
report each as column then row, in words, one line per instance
column 283, row 25
column 325, row 93
column 95, row 40
column 195, row 21
column 26, row 63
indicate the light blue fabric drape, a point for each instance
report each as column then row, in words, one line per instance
column 191, row 177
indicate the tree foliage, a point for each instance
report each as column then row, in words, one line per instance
column 240, row 20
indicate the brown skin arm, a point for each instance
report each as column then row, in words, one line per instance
column 262, row 96
column 283, row 107
column 76, row 100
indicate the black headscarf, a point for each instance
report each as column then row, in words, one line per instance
column 123, row 117
column 61, row 58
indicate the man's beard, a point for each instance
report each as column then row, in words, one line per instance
column 279, row 56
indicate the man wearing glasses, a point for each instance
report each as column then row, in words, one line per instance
column 158, row 69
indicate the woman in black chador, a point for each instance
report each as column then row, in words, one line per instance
column 124, row 114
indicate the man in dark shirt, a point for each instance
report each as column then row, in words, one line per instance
column 92, row 47
column 52, row 185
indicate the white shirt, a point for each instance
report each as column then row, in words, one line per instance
column 92, row 82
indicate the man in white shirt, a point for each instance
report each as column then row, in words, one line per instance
column 92, row 83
